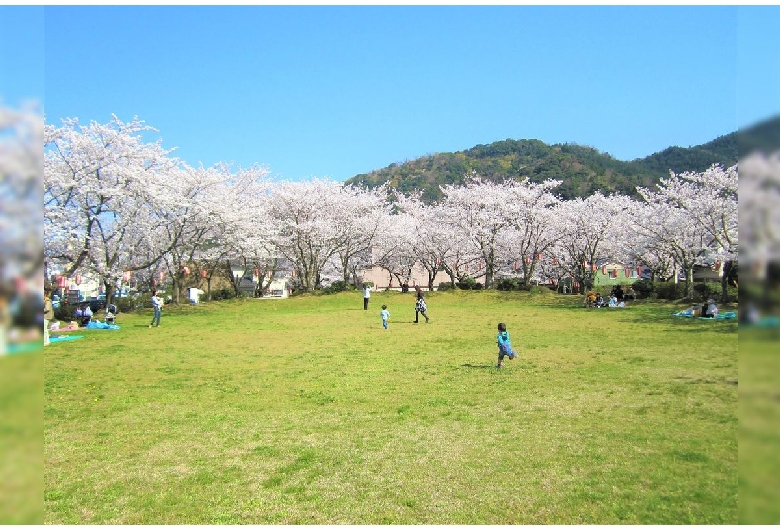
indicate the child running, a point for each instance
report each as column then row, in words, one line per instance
column 385, row 314
column 504, row 345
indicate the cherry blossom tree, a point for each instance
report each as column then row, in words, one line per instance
column 759, row 215
column 696, row 219
column 21, row 179
column 392, row 249
column 481, row 211
column 759, row 219
column 310, row 233
column 591, row 229
column 114, row 202
column 249, row 233
column 534, row 224
column 670, row 229
column 649, row 251
column 433, row 242
column 105, row 193
column 362, row 214
column 710, row 198
column 210, row 207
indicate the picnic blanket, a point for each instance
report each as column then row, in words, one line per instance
column 96, row 324
column 14, row 348
column 66, row 338
column 769, row 321
column 729, row 315
column 70, row 327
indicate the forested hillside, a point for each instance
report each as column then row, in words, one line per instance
column 582, row 170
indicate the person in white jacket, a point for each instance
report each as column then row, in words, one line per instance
column 157, row 305
column 195, row 295
column 366, row 296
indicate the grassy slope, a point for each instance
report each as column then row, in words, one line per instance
column 306, row 411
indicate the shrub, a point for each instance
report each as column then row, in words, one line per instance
column 643, row 288
column 65, row 313
column 126, row 304
column 336, row 287
column 669, row 290
column 733, row 293
column 223, row 294
column 468, row 284
column 541, row 290
column 445, row 286
column 706, row 290
column 508, row 284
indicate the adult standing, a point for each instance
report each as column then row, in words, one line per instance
column 366, row 296
column 420, row 308
column 157, row 305
column 48, row 316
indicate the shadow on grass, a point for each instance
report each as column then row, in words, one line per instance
column 486, row 366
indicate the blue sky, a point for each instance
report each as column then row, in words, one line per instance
column 334, row 91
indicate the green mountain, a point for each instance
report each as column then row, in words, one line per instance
column 582, row 170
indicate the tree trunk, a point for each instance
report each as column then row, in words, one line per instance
column 724, row 281
column 688, row 281
column 489, row 277
column 109, row 285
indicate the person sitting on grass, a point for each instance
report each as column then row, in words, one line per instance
column 590, row 299
column 709, row 310
column 83, row 314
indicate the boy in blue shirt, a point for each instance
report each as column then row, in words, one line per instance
column 385, row 314
column 504, row 345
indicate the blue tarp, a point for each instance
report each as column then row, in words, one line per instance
column 100, row 325
column 723, row 316
column 65, row 338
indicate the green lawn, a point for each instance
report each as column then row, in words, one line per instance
column 759, row 426
column 305, row 411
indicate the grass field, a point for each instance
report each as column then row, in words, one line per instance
column 759, row 427
column 305, row 411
